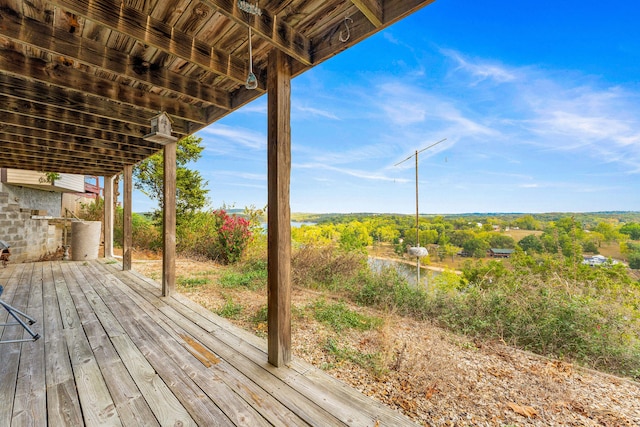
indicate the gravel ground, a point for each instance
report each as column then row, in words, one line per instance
column 435, row 377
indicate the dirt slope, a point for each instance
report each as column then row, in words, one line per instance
column 435, row 377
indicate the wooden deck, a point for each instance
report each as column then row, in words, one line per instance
column 113, row 352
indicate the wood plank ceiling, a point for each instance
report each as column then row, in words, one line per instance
column 80, row 80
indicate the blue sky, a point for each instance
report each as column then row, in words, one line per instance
column 539, row 102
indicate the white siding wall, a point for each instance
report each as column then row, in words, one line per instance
column 67, row 182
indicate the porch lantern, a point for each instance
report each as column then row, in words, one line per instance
column 160, row 130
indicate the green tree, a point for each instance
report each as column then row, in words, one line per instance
column 590, row 246
column 608, row 231
column 460, row 237
column 632, row 230
column 476, row 247
column 190, row 186
column 501, row 241
column 355, row 237
column 531, row 244
column 447, row 250
column 527, row 222
column 634, row 260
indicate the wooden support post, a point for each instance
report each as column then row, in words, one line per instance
column 108, row 216
column 169, row 220
column 127, row 226
column 278, row 213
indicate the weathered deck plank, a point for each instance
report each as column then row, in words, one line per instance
column 334, row 397
column 30, row 404
column 10, row 352
column 97, row 405
column 63, row 403
column 229, row 383
column 115, row 353
column 131, row 406
column 140, row 329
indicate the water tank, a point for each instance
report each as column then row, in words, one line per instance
column 85, row 240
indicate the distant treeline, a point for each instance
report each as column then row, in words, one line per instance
column 586, row 219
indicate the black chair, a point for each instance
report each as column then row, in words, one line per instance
column 14, row 312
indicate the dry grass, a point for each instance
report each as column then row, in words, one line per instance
column 435, row 377
column 518, row 235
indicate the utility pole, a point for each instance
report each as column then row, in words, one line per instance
column 416, row 250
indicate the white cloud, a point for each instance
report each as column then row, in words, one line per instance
column 366, row 175
column 246, row 138
column 602, row 124
column 406, row 104
column 481, row 70
column 317, row 112
column 240, row 175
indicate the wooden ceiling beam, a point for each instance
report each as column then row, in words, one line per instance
column 66, row 117
column 395, row 10
column 372, row 9
column 17, row 157
column 74, row 50
column 71, row 150
column 11, row 119
column 28, row 162
column 329, row 43
column 80, row 103
column 45, row 138
column 267, row 25
column 69, row 78
column 147, row 30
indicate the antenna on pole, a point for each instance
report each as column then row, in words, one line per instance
column 416, row 250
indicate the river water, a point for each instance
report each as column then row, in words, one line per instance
column 407, row 271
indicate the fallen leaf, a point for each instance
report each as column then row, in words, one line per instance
column 526, row 411
column 431, row 391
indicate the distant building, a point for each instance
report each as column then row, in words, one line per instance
column 597, row 260
column 500, row 253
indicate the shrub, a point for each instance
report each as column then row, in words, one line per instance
column 215, row 235
column 251, row 275
column 340, row 317
column 634, row 260
column 389, row 290
column 145, row 234
column 230, row 310
column 549, row 305
column 326, row 267
column 193, row 282
column 233, row 234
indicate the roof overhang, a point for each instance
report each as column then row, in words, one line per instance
column 81, row 80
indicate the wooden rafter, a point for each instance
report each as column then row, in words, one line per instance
column 19, row 124
column 73, row 80
column 372, row 9
column 29, row 147
column 78, row 102
column 361, row 27
column 72, row 50
column 267, row 25
column 34, row 140
column 29, row 110
column 154, row 32
column 117, row 133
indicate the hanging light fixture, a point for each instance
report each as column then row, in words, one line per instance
column 252, row 81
